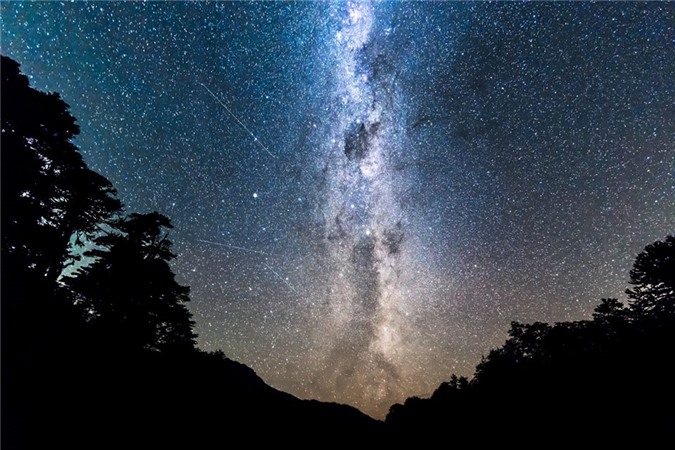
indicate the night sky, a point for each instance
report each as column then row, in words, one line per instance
column 365, row 195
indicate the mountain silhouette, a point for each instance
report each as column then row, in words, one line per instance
column 153, row 400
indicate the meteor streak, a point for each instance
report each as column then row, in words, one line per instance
column 255, row 138
column 233, row 246
column 282, row 279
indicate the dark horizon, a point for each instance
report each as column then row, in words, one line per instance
column 365, row 195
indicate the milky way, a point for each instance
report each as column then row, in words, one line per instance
column 362, row 220
column 366, row 194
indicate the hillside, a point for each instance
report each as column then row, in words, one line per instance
column 151, row 400
column 583, row 378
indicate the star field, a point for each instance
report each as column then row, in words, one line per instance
column 365, row 195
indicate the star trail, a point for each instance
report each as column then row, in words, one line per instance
column 366, row 194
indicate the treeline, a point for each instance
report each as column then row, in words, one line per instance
column 87, row 291
column 609, row 377
column 98, row 347
column 57, row 213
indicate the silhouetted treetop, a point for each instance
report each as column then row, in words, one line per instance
column 50, row 193
column 653, row 278
column 609, row 308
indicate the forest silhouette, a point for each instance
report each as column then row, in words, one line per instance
column 98, row 347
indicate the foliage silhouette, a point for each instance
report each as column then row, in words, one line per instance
column 584, row 376
column 104, row 356
column 49, row 200
column 129, row 293
column 52, row 195
column 653, row 279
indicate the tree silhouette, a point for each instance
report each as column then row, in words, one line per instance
column 105, row 356
column 129, row 293
column 47, row 189
column 602, row 371
column 49, row 197
column 653, row 279
column 608, row 310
